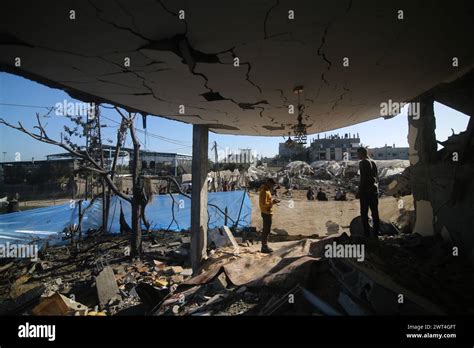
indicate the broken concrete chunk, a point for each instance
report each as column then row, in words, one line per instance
column 107, row 288
column 177, row 278
column 58, row 304
column 187, row 272
column 158, row 264
column 177, row 269
column 172, row 270
column 220, row 237
column 161, row 282
column 220, row 282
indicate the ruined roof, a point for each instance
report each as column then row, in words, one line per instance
column 190, row 61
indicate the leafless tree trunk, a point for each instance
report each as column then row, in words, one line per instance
column 137, row 195
column 139, row 198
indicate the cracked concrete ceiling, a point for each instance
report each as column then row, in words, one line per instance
column 190, row 62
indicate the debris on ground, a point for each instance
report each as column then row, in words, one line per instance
column 100, row 279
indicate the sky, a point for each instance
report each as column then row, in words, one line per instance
column 21, row 99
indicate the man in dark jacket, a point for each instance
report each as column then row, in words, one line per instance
column 368, row 191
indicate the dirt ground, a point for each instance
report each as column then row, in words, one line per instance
column 297, row 215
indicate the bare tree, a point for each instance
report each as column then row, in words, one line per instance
column 139, row 198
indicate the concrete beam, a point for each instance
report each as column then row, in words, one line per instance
column 199, row 195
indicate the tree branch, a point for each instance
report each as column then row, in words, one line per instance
column 43, row 137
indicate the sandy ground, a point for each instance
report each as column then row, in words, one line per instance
column 300, row 216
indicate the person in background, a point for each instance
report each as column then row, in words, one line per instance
column 266, row 208
column 321, row 196
column 310, row 194
column 14, row 204
column 340, row 195
column 368, row 191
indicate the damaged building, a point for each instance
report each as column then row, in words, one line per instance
column 239, row 68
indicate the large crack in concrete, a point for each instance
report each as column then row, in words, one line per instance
column 323, row 41
column 267, row 15
column 323, row 55
column 178, row 44
column 115, row 25
column 186, row 26
column 128, row 13
column 341, row 97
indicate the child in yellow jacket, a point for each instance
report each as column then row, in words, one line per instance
column 266, row 208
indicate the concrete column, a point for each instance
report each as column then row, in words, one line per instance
column 421, row 133
column 422, row 154
column 199, row 195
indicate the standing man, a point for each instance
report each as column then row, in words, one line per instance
column 368, row 191
column 266, row 207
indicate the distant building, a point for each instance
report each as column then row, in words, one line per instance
column 20, row 172
column 40, row 179
column 333, row 148
column 290, row 150
column 152, row 161
column 389, row 153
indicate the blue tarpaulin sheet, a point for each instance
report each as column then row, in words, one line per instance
column 46, row 224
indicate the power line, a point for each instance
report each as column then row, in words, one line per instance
column 169, row 140
column 156, row 136
column 27, row 106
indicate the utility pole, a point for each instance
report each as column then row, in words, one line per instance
column 216, row 159
column 176, row 165
column 105, row 196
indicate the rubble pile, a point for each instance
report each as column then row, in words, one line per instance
column 301, row 175
column 332, row 168
column 257, row 174
column 100, row 275
column 329, row 286
column 236, row 279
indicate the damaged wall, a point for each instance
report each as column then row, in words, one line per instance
column 443, row 188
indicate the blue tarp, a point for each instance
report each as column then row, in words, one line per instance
column 47, row 223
